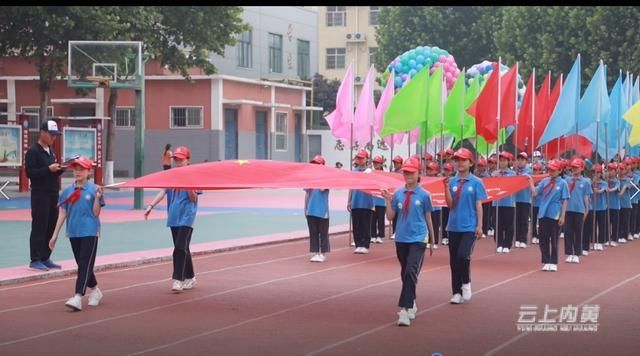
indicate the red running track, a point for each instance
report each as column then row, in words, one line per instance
column 272, row 301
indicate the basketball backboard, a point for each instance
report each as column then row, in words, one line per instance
column 119, row 62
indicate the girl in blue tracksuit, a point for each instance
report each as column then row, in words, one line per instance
column 613, row 189
column 506, row 208
column 598, row 211
column 80, row 204
column 316, row 209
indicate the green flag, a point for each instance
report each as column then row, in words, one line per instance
column 469, row 121
column 482, row 147
column 408, row 108
column 454, row 110
column 435, row 107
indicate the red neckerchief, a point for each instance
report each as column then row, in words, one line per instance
column 73, row 197
column 459, row 192
column 407, row 203
column 549, row 187
column 573, row 184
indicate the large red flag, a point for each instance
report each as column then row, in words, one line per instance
column 560, row 145
column 509, row 97
column 542, row 103
column 525, row 117
column 547, row 110
column 485, row 108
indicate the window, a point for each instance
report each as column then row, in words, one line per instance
column 186, row 117
column 281, row 131
column 245, row 54
column 373, row 15
column 304, row 61
column 275, row 53
column 125, row 117
column 4, row 117
column 336, row 58
column 336, row 16
column 372, row 55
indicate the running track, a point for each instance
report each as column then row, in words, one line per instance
column 271, row 301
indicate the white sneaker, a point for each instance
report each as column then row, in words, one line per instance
column 353, row 244
column 622, row 241
column 569, row 259
column 445, row 241
column 74, row 302
column 314, row 258
column 546, row 267
column 456, row 299
column 636, row 236
column 614, row 244
column 364, row 250
column 403, row 318
column 484, row 236
column 535, row 241
column 505, row 250
column 189, row 283
column 517, row 245
column 95, row 296
column 562, row 235
column 357, row 250
column 598, row 247
column 576, row 259
column 553, row 267
column 379, row 240
column 466, row 292
column 523, row 245
column 413, row 311
column 393, row 237
column 585, row 253
column 435, row 247
column 490, row 232
column 177, row 286
column 429, row 245
column 499, row 249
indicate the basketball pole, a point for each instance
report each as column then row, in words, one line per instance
column 138, row 170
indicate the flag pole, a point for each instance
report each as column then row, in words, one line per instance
column 619, row 122
column 593, row 196
column 464, row 94
column 552, row 112
column 496, row 233
column 515, row 112
column 351, row 103
column 533, row 120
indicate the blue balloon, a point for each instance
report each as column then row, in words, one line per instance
column 420, row 59
column 419, row 67
column 398, row 67
column 398, row 82
column 405, row 69
column 412, row 73
column 412, row 64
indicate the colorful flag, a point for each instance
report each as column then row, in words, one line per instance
column 526, row 116
column 435, row 107
column 485, row 108
column 593, row 112
column 408, row 107
column 564, row 114
column 365, row 112
column 341, row 119
column 383, row 105
column 508, row 103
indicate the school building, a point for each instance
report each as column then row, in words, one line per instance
column 257, row 106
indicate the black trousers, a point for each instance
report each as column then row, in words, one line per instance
column 394, row 223
column 361, row 226
column 487, row 222
column 534, row 225
column 410, row 256
column 614, row 223
column 588, row 231
column 435, row 219
column 504, row 222
column 603, row 228
column 165, row 167
column 318, row 234
column 635, row 219
column 445, row 221
column 625, row 216
column 523, row 211
column 573, row 233
column 549, row 232
column 44, row 215
column 84, row 252
column 182, row 262
column 460, row 248
column 378, row 221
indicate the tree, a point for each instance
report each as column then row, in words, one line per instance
column 178, row 37
column 466, row 32
column 324, row 92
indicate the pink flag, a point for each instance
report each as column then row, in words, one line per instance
column 341, row 118
column 414, row 136
column 383, row 104
column 365, row 112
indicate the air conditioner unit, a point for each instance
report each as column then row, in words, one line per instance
column 356, row 37
column 358, row 79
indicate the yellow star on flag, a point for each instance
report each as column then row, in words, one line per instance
column 242, row 161
column 632, row 116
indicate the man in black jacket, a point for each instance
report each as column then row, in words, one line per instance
column 43, row 171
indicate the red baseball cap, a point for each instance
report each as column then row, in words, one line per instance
column 181, row 152
column 482, row 162
column 493, row 159
column 433, row 166
column 523, row 155
column 463, row 154
column 448, row 167
column 318, row 159
column 411, row 165
column 83, row 162
column 397, row 159
column 597, row 167
column 537, row 167
column 378, row 159
column 506, row 155
column 554, row 165
column 612, row 166
column 577, row 163
column 622, row 165
column 428, row 156
column 362, row 154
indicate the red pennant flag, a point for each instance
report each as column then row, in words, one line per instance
column 525, row 117
column 508, row 104
column 485, row 108
column 547, row 110
column 542, row 102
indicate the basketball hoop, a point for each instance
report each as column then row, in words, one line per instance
column 103, row 82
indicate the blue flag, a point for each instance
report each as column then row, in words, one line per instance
column 619, row 106
column 563, row 118
column 594, row 108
